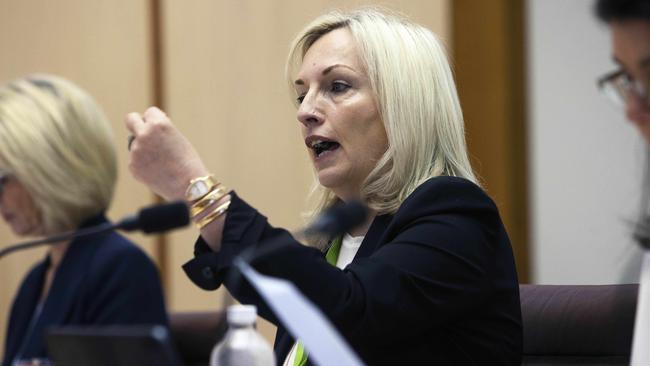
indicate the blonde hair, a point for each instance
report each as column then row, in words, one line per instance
column 416, row 98
column 57, row 142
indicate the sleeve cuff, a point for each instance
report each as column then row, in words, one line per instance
column 243, row 226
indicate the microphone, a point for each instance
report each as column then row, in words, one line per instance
column 157, row 218
column 334, row 221
column 338, row 219
column 151, row 219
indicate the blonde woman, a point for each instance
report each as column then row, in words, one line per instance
column 57, row 173
column 430, row 277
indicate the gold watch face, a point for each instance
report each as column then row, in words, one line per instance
column 199, row 188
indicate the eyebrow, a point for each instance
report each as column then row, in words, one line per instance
column 645, row 62
column 325, row 72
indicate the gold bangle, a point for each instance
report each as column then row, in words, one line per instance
column 213, row 215
column 214, row 196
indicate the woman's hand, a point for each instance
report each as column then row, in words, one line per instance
column 160, row 156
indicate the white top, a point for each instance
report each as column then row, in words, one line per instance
column 349, row 248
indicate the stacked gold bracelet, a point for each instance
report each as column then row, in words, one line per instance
column 215, row 195
column 220, row 210
column 199, row 205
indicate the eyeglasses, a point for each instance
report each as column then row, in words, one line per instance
column 618, row 86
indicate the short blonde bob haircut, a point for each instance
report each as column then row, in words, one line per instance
column 416, row 98
column 56, row 141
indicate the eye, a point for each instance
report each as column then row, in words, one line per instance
column 627, row 77
column 339, row 87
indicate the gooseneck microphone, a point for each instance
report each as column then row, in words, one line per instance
column 331, row 223
column 157, row 218
column 338, row 219
column 335, row 221
column 151, row 219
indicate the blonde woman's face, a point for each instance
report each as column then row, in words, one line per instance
column 18, row 209
column 338, row 114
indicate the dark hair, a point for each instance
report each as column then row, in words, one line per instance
column 617, row 10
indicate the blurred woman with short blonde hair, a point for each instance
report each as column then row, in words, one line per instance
column 57, row 173
column 57, row 142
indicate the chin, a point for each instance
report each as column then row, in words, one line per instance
column 339, row 185
column 26, row 231
column 329, row 179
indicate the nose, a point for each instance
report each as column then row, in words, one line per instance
column 308, row 112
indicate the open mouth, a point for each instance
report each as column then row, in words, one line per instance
column 320, row 147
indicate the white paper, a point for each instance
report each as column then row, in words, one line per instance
column 641, row 342
column 302, row 319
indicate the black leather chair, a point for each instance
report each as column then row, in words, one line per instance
column 196, row 333
column 578, row 325
column 563, row 325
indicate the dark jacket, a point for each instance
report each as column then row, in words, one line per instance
column 433, row 284
column 102, row 280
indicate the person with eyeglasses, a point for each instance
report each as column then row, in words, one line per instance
column 58, row 169
column 628, row 87
column 629, row 21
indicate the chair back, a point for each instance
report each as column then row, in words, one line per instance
column 578, row 325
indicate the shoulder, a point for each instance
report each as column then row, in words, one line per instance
column 114, row 244
column 448, row 194
column 114, row 250
column 451, row 203
column 33, row 276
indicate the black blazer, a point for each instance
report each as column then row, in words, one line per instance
column 102, row 280
column 435, row 283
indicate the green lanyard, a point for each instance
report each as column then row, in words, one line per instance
column 333, row 252
column 331, row 257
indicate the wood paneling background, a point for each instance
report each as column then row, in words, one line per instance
column 488, row 55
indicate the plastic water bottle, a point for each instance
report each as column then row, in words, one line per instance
column 242, row 344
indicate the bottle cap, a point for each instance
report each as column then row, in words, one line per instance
column 242, row 314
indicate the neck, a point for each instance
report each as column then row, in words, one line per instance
column 57, row 251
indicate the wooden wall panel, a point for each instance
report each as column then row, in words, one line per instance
column 489, row 64
column 102, row 45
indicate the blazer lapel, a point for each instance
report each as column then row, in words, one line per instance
column 69, row 277
column 59, row 306
column 23, row 309
column 370, row 243
column 373, row 239
column 67, row 281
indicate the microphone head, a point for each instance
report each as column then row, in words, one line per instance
column 339, row 219
column 158, row 218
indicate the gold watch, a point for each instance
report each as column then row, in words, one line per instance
column 200, row 186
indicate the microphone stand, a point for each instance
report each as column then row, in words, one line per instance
column 156, row 218
column 60, row 237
